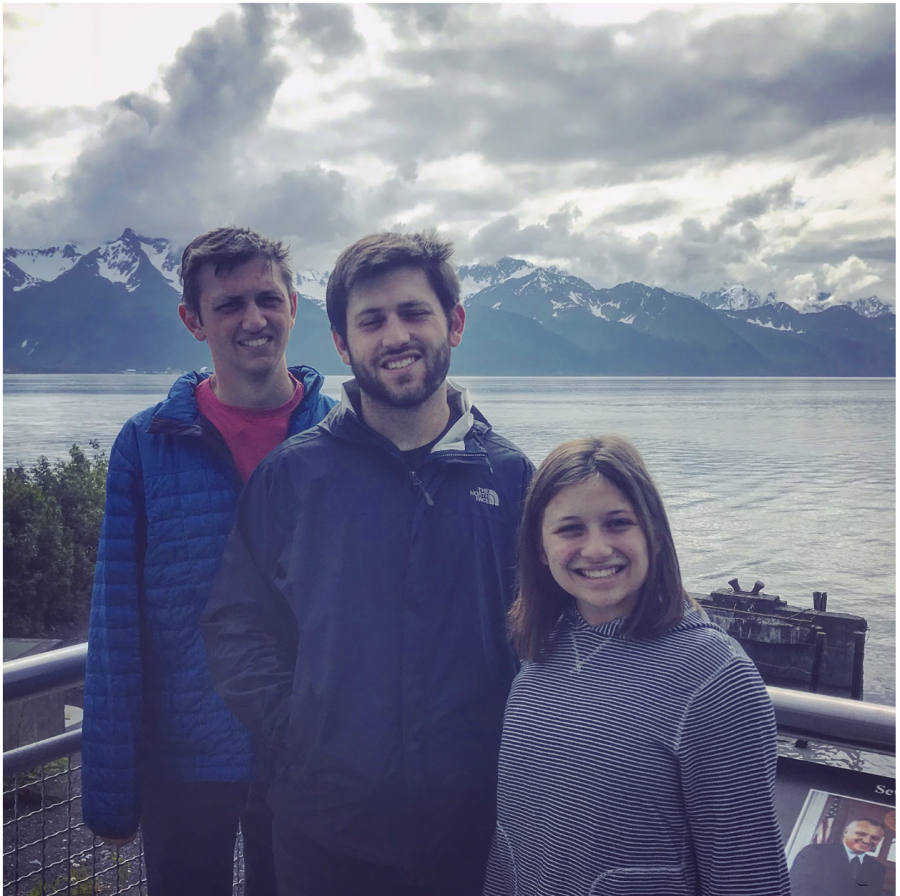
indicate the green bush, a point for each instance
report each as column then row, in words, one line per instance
column 51, row 526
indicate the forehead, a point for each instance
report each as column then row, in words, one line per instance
column 863, row 827
column 593, row 496
column 389, row 290
column 251, row 277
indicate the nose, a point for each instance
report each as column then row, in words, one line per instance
column 395, row 332
column 254, row 319
column 596, row 544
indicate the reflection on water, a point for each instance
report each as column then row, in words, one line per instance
column 791, row 481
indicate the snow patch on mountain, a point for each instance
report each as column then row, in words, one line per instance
column 116, row 262
column 871, row 307
column 475, row 277
column 734, row 297
column 159, row 253
column 785, row 328
column 42, row 264
column 312, row 285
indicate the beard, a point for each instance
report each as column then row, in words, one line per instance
column 437, row 365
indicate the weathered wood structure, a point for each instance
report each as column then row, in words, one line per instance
column 810, row 649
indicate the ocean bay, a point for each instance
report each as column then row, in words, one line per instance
column 791, row 481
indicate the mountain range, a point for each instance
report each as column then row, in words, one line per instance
column 113, row 308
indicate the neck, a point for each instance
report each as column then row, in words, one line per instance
column 271, row 391
column 408, row 428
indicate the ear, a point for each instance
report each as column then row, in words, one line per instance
column 544, row 559
column 192, row 322
column 341, row 347
column 293, row 309
column 457, row 325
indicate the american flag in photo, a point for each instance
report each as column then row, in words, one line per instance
column 823, row 831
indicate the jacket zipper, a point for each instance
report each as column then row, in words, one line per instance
column 418, row 484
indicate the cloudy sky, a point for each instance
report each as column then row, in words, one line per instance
column 679, row 146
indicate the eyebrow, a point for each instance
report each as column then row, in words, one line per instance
column 411, row 305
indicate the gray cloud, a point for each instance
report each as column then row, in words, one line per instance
column 27, row 127
column 635, row 212
column 548, row 93
column 328, row 30
column 23, row 179
column 411, row 19
column 179, row 166
column 839, row 245
column 309, row 206
column 550, row 107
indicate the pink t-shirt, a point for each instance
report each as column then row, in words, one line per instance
column 250, row 433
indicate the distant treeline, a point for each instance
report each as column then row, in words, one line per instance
column 51, row 527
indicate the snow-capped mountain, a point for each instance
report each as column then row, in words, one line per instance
column 130, row 259
column 870, row 307
column 539, row 293
column 735, row 297
column 124, row 260
column 311, row 285
column 112, row 307
column 25, row 267
column 475, row 277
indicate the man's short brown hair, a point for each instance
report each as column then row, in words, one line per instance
column 382, row 253
column 225, row 248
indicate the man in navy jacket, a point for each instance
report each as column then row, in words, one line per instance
column 160, row 748
column 358, row 624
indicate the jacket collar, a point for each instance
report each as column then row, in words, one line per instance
column 180, row 405
column 471, row 421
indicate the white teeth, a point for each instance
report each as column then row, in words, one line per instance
column 254, row 343
column 599, row 573
column 396, row 365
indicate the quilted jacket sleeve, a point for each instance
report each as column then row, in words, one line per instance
column 249, row 631
column 112, row 730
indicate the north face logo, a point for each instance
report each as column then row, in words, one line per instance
column 486, row 496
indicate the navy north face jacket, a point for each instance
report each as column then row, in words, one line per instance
column 359, row 625
column 149, row 705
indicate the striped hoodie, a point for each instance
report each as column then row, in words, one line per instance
column 638, row 768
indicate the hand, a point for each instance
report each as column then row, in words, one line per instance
column 117, row 842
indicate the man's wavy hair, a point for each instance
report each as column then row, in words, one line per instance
column 382, row 253
column 541, row 601
column 225, row 248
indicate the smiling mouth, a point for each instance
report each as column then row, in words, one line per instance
column 400, row 363
column 257, row 342
column 604, row 573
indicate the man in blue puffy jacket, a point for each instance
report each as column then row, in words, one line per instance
column 160, row 748
column 358, row 624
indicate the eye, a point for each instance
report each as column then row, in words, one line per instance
column 368, row 323
column 620, row 524
column 568, row 530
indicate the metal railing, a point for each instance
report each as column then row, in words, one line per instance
column 47, row 849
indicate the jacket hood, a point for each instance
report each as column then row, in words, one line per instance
column 693, row 618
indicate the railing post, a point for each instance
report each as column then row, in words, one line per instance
column 856, row 685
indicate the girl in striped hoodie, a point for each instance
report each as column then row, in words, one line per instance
column 639, row 742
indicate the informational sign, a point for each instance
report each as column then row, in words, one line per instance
column 839, row 827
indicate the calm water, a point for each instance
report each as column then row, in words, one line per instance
column 791, row 481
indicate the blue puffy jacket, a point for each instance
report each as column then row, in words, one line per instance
column 359, row 626
column 149, row 705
